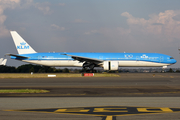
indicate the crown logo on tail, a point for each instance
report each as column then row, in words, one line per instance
column 23, row 43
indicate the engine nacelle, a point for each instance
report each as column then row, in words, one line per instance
column 110, row 65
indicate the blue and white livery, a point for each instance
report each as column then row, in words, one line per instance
column 108, row 61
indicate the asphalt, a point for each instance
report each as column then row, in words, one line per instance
column 130, row 84
column 130, row 96
column 129, row 79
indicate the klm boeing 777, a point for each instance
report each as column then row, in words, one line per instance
column 108, row 61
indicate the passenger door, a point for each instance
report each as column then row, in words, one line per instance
column 161, row 58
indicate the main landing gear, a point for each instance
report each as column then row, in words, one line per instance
column 88, row 65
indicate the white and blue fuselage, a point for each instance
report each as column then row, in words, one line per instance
column 123, row 59
column 109, row 61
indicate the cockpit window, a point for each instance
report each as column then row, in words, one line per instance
column 171, row 58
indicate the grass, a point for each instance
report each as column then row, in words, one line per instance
column 45, row 75
column 23, row 91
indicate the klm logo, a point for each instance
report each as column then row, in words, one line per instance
column 144, row 56
column 22, row 46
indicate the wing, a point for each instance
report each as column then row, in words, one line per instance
column 84, row 59
column 19, row 56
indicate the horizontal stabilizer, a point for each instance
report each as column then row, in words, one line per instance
column 17, row 56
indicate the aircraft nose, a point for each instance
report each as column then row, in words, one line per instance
column 174, row 61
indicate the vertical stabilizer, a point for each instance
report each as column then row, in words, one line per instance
column 1, row 60
column 21, row 45
column 4, row 62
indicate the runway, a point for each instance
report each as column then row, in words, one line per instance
column 124, row 79
column 130, row 96
column 130, row 84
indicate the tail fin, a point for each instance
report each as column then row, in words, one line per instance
column 4, row 62
column 1, row 60
column 21, row 45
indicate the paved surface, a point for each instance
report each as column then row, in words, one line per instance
column 69, row 108
column 126, row 85
column 125, row 79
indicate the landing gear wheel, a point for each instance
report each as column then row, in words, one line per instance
column 91, row 67
column 88, row 65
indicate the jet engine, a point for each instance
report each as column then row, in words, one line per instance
column 110, row 65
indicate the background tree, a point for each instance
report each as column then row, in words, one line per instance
column 31, row 70
column 170, row 70
column 7, row 69
column 65, row 70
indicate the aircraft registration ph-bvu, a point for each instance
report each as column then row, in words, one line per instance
column 108, row 61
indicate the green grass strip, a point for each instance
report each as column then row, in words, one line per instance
column 23, row 91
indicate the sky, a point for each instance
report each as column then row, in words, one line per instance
column 146, row 26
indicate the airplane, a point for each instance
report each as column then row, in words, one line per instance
column 108, row 61
column 3, row 62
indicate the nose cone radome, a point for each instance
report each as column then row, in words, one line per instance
column 174, row 61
